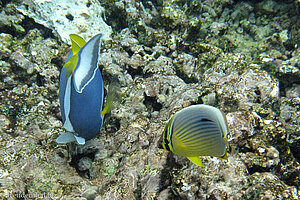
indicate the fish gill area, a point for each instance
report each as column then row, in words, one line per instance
column 240, row 56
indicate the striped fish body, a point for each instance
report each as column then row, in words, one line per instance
column 81, row 91
column 197, row 130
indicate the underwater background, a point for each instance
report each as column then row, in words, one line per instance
column 240, row 56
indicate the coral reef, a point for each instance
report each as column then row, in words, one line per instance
column 242, row 57
column 67, row 17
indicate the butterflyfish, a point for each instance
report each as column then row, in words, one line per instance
column 198, row 130
column 81, row 91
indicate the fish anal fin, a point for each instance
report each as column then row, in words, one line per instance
column 196, row 160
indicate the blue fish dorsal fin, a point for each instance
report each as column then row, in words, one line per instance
column 65, row 137
column 77, row 43
column 87, row 63
column 80, row 140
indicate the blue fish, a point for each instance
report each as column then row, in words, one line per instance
column 81, row 91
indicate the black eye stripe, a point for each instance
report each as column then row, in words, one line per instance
column 166, row 141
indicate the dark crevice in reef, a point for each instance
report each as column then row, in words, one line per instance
column 286, row 81
column 29, row 24
column 258, row 95
column 154, row 2
column 9, row 30
column 295, row 149
column 245, row 149
column 114, row 16
column 78, row 160
column 135, row 72
column 83, row 157
column 292, row 178
column 40, row 80
column 12, row 116
column 138, row 191
column 184, row 77
column 4, row 2
column 167, row 175
column 58, row 61
column 151, row 103
column 256, row 168
column 129, row 51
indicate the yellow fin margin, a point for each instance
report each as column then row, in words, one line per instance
column 196, row 160
column 77, row 43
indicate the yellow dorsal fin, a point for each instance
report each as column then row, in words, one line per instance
column 196, row 160
column 77, row 43
column 71, row 64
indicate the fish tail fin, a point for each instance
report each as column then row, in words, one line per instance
column 196, row 160
column 65, row 137
column 80, row 140
column 112, row 98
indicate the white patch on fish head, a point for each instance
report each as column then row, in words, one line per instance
column 88, row 58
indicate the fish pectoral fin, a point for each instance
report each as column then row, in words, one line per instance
column 65, row 137
column 106, row 109
column 80, row 140
column 196, row 160
column 112, row 98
